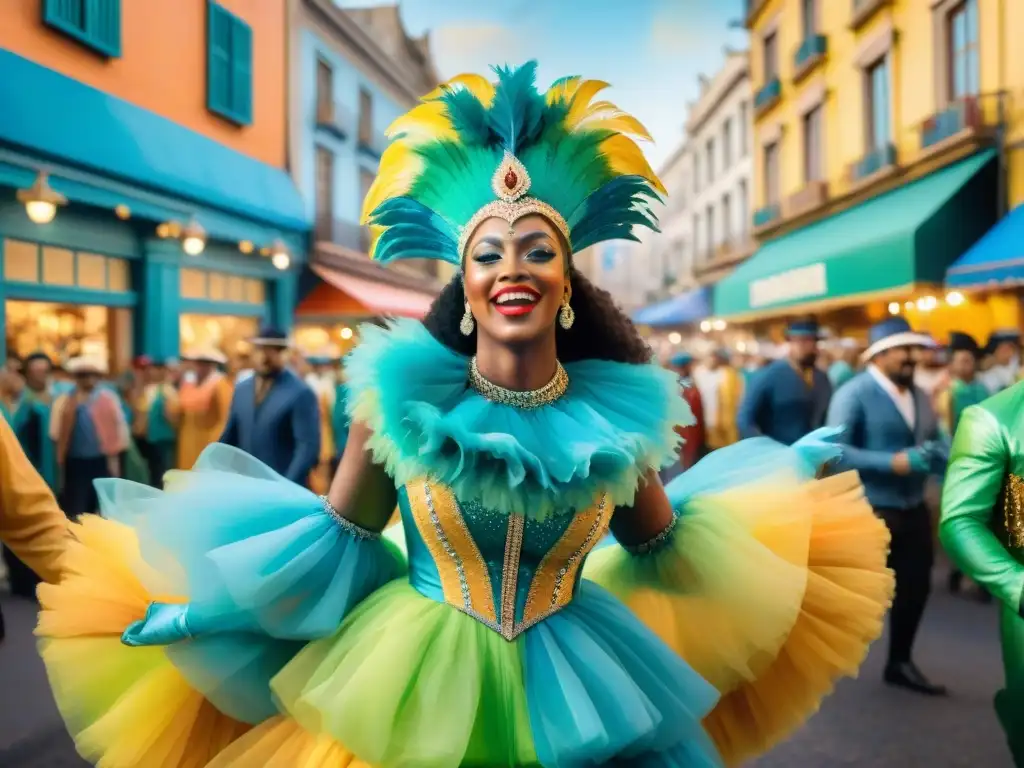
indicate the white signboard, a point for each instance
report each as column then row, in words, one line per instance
column 792, row 285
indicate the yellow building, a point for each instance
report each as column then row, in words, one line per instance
column 886, row 146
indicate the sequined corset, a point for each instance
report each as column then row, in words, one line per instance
column 506, row 571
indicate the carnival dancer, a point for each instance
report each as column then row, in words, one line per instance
column 30, row 421
column 1003, row 353
column 204, row 401
column 693, row 434
column 91, row 434
column 274, row 414
column 721, row 390
column 982, row 530
column 891, row 435
column 514, row 427
column 790, row 398
column 32, row 526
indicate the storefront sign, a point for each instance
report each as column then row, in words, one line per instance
column 792, row 285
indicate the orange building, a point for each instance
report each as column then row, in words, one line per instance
column 144, row 202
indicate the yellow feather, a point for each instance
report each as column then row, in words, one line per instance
column 399, row 169
column 626, row 158
column 375, row 232
column 581, row 101
column 478, row 85
column 562, row 91
column 428, row 121
column 622, row 123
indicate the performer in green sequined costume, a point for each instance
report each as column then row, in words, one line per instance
column 982, row 529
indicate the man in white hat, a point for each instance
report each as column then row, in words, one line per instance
column 891, row 436
column 90, row 430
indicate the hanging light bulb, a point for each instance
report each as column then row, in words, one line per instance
column 279, row 255
column 894, row 308
column 41, row 200
column 193, row 238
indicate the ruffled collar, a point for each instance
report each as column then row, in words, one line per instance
column 614, row 423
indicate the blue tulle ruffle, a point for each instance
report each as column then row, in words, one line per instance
column 615, row 423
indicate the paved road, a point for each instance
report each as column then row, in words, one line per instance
column 864, row 725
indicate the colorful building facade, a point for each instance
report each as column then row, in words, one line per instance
column 352, row 73
column 144, row 201
column 881, row 133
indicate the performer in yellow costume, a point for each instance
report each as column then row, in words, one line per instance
column 238, row 620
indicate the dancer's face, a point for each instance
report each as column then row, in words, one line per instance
column 515, row 279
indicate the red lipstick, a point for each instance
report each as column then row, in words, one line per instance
column 515, row 300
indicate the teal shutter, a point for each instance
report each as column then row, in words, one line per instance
column 241, row 59
column 229, row 65
column 94, row 23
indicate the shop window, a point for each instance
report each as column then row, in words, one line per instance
column 64, row 331
column 227, row 333
column 228, row 65
column 207, row 285
column 193, row 284
column 254, row 292
column 236, row 289
column 95, row 24
column 218, row 287
column 29, row 263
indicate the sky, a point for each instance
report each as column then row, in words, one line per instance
column 651, row 51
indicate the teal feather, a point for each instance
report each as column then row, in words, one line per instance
column 516, row 112
column 467, row 115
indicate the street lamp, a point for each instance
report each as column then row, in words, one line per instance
column 41, row 200
column 279, row 255
column 193, row 238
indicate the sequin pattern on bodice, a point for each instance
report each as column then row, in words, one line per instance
column 507, row 571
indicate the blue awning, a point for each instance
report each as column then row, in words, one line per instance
column 61, row 120
column 690, row 307
column 996, row 259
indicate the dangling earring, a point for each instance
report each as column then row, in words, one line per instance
column 466, row 325
column 566, row 316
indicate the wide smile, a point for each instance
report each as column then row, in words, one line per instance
column 515, row 301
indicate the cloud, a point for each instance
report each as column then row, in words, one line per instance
column 693, row 35
column 474, row 47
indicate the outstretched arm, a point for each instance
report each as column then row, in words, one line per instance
column 640, row 525
column 977, row 470
column 362, row 491
column 846, row 411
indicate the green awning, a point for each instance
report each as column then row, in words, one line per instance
column 906, row 236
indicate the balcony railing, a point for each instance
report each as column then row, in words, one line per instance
column 861, row 11
column 963, row 115
column 768, row 96
column 810, row 53
column 347, row 234
column 372, row 142
column 767, row 215
column 331, row 116
column 813, row 195
column 874, row 161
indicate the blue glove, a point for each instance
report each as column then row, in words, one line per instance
column 164, row 624
column 820, row 447
column 920, row 461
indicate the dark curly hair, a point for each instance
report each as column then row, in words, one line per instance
column 601, row 331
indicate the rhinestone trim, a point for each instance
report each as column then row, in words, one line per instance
column 510, row 575
column 511, row 180
column 449, row 550
column 1013, row 511
column 533, row 398
column 512, row 212
column 582, row 550
column 653, row 545
column 347, row 525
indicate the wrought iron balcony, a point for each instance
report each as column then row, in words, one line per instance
column 811, row 52
column 347, row 234
column 874, row 161
column 768, row 96
column 962, row 116
column 767, row 215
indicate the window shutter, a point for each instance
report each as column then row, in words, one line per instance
column 241, row 60
column 218, row 55
column 103, row 25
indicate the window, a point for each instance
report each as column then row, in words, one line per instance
column 743, row 204
column 771, row 56
column 27, row 262
column 726, row 218
column 696, row 173
column 877, row 113
column 771, row 173
column 727, row 144
column 229, row 65
column 810, row 18
column 324, row 92
column 324, row 193
column 709, row 160
column 813, row 145
column 696, row 233
column 365, row 118
column 744, row 131
column 95, row 24
column 962, row 42
column 711, row 230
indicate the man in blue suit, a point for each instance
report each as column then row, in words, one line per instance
column 789, row 398
column 274, row 414
column 891, row 439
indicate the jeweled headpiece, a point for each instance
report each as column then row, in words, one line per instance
column 475, row 149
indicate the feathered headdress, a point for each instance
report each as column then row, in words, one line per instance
column 475, row 149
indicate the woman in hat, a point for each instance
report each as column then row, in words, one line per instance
column 964, row 388
column 204, row 402
column 515, row 427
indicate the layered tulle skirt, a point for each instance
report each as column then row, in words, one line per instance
column 704, row 652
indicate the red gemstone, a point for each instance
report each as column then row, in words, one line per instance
column 511, row 179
